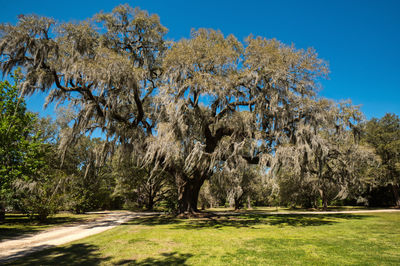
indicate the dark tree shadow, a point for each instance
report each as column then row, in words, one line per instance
column 251, row 220
column 155, row 220
column 172, row 258
column 248, row 220
column 10, row 233
column 19, row 225
column 77, row 254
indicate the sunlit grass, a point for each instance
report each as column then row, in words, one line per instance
column 244, row 239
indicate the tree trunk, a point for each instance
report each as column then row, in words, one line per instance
column 248, row 202
column 238, row 202
column 231, row 203
column 325, row 202
column 188, row 193
column 150, row 202
column 324, row 199
column 395, row 189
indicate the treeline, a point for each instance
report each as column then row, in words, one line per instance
column 375, row 182
column 39, row 180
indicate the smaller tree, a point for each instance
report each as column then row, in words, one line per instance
column 21, row 155
column 324, row 156
column 384, row 136
column 237, row 182
column 144, row 186
column 294, row 190
column 207, row 199
column 41, row 194
column 89, row 184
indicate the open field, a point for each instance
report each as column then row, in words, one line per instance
column 248, row 238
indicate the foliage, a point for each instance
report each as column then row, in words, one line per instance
column 87, row 186
column 139, row 185
column 384, row 136
column 294, row 191
column 324, row 157
column 206, row 198
column 235, row 186
column 113, row 66
column 16, row 129
column 106, row 67
column 190, row 110
column 38, row 197
column 21, row 152
column 225, row 105
column 41, row 194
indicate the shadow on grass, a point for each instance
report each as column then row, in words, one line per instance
column 249, row 220
column 16, row 225
column 155, row 220
column 172, row 258
column 77, row 254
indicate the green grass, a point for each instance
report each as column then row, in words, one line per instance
column 17, row 225
column 244, row 239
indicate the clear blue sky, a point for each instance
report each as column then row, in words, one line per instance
column 359, row 39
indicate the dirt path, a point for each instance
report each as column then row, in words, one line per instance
column 12, row 249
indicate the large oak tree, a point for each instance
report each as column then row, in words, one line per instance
column 226, row 104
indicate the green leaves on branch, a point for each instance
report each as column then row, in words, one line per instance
column 21, row 152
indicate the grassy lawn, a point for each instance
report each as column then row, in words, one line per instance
column 16, row 225
column 246, row 239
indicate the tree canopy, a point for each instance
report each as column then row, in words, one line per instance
column 384, row 136
column 189, row 108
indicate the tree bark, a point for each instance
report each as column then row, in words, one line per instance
column 238, row 202
column 248, row 202
column 188, row 192
column 324, row 200
column 150, row 202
